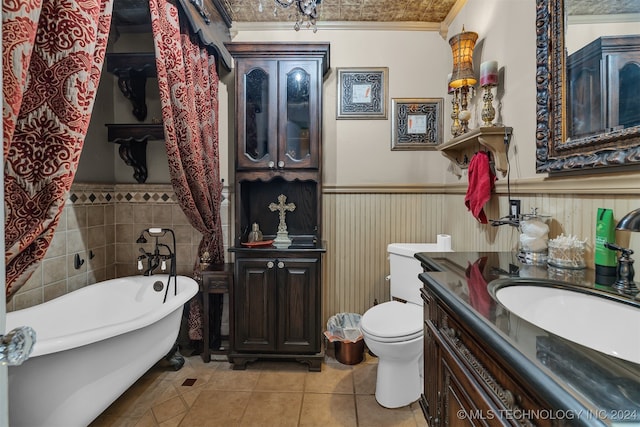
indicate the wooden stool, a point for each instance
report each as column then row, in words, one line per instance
column 217, row 279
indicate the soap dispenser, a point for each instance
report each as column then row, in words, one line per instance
column 255, row 235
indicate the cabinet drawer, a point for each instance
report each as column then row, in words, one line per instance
column 508, row 401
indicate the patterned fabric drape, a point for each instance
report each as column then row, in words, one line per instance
column 53, row 52
column 188, row 84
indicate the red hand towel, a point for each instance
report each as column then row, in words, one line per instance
column 479, row 297
column 481, row 180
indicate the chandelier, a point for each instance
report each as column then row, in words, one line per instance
column 306, row 11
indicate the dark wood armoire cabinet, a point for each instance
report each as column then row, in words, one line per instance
column 276, row 299
column 603, row 85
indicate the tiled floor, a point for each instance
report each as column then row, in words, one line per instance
column 265, row 394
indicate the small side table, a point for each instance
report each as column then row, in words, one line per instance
column 217, row 279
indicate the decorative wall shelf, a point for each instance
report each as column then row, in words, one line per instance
column 132, row 70
column 494, row 138
column 133, row 144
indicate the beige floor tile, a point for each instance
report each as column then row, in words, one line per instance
column 371, row 414
column 418, row 415
column 171, row 422
column 324, row 410
column 272, row 409
column 147, row 420
column 230, row 380
column 113, row 421
column 169, row 409
column 286, row 381
column 364, row 378
column 267, row 393
column 190, row 396
column 333, row 378
column 215, row 408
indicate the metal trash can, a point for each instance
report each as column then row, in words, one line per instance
column 349, row 353
column 343, row 330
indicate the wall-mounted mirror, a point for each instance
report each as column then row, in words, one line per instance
column 588, row 84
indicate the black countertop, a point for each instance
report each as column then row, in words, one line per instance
column 591, row 388
column 297, row 245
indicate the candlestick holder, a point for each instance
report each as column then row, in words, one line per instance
column 455, row 124
column 464, row 114
column 488, row 112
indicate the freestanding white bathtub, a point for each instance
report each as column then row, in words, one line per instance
column 91, row 345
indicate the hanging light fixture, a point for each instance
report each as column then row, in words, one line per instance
column 462, row 76
column 306, row 11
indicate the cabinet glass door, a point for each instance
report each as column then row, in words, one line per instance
column 258, row 113
column 299, row 114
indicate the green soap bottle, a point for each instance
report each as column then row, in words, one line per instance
column 605, row 259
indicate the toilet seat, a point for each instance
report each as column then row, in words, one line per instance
column 393, row 321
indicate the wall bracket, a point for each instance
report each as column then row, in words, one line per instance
column 133, row 144
column 132, row 70
column 492, row 138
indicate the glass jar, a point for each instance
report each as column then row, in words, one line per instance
column 534, row 237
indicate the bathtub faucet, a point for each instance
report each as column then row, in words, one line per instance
column 156, row 258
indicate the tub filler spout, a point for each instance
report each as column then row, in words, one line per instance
column 160, row 255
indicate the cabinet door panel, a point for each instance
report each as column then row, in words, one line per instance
column 432, row 385
column 298, row 305
column 299, row 111
column 257, row 98
column 254, row 305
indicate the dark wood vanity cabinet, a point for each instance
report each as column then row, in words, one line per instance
column 278, row 121
column 466, row 383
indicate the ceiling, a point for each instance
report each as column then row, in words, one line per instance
column 129, row 13
column 432, row 11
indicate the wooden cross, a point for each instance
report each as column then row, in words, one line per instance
column 282, row 208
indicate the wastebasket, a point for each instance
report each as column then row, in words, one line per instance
column 343, row 330
column 349, row 352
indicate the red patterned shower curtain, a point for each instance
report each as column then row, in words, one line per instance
column 52, row 52
column 188, row 84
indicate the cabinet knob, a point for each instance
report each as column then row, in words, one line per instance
column 270, row 264
column 271, row 164
column 281, row 264
column 281, row 164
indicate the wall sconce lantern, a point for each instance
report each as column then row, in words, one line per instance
column 462, row 76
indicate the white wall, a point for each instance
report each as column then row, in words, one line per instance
column 506, row 33
column 358, row 152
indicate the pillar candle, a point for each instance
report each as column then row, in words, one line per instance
column 489, row 73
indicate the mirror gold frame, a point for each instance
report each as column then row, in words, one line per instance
column 554, row 153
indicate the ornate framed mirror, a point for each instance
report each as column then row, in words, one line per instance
column 587, row 85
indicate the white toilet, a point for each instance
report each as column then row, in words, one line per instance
column 393, row 330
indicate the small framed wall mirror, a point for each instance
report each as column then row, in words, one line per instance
column 587, row 85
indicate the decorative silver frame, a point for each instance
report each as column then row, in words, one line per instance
column 427, row 133
column 353, row 103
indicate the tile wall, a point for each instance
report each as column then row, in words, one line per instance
column 100, row 224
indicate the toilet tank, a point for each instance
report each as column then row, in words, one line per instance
column 404, row 269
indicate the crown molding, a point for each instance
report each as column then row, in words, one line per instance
column 338, row 26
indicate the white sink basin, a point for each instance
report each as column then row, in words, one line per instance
column 593, row 319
